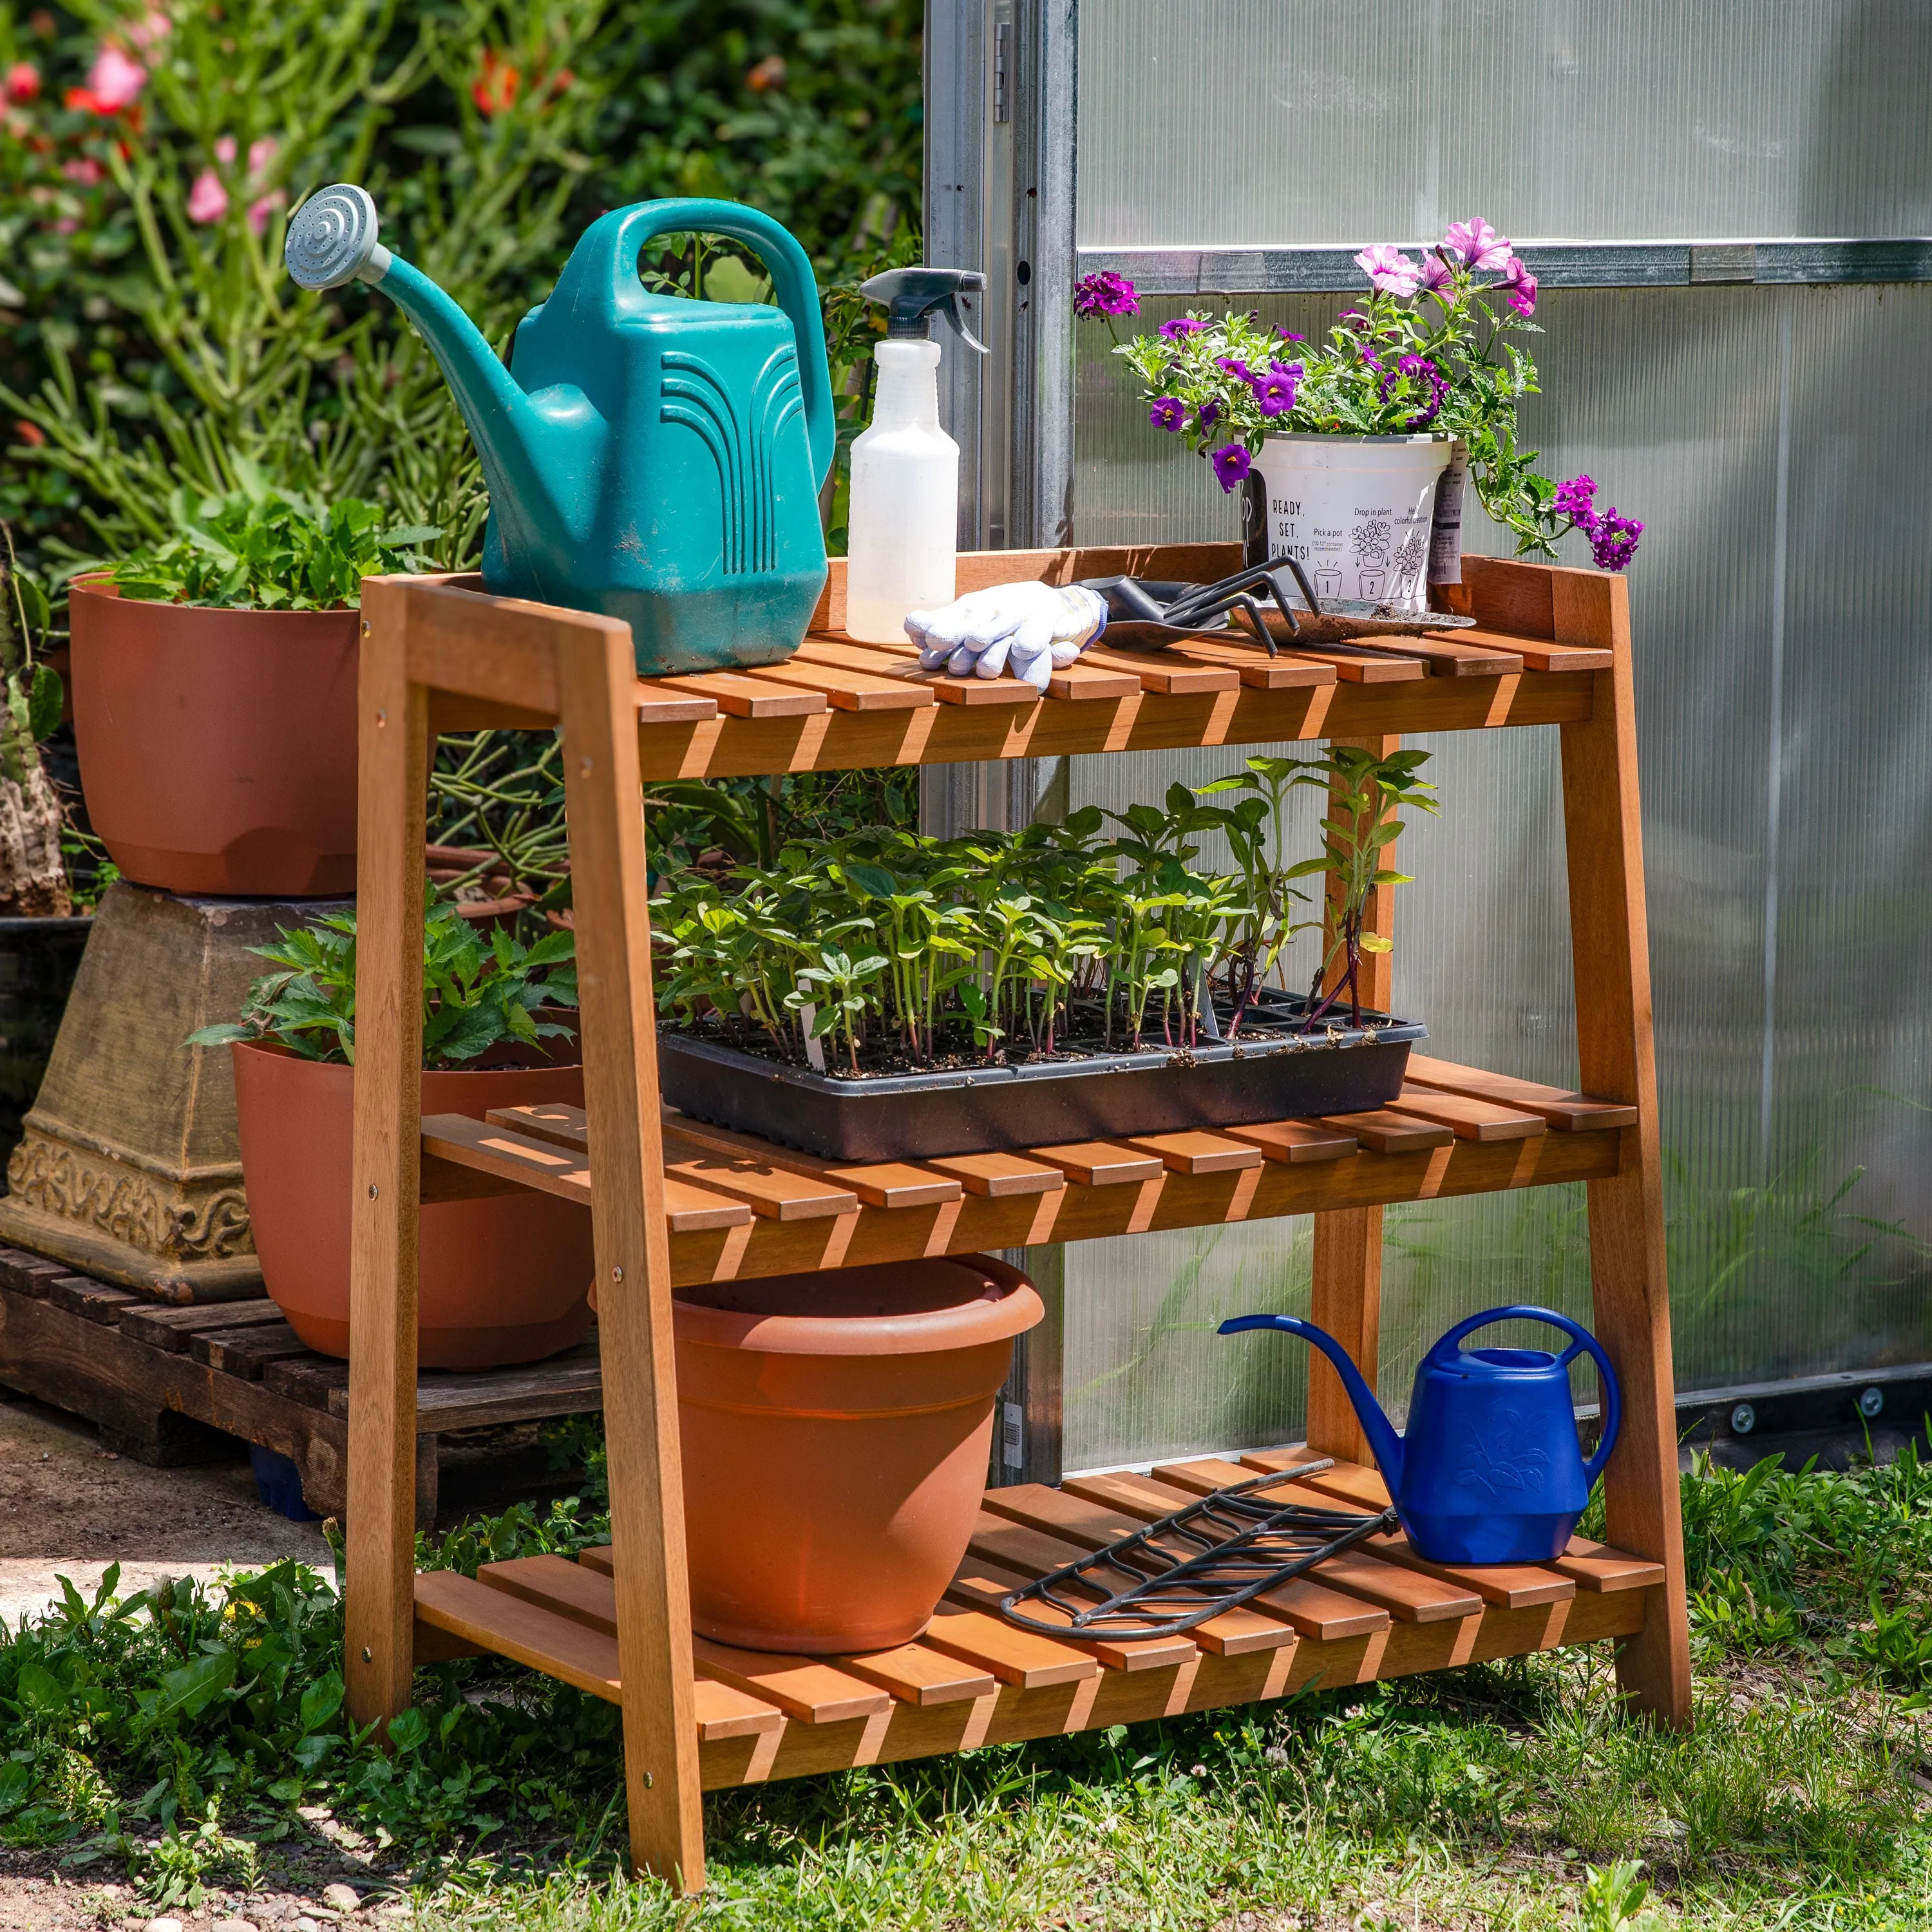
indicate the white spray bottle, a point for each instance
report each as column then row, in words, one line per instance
column 903, row 526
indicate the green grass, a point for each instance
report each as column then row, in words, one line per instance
column 177, row 1742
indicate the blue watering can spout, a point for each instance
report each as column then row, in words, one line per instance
column 543, row 455
column 1385, row 1444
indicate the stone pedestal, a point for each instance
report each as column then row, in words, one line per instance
column 131, row 1169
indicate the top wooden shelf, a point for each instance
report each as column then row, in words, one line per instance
column 1534, row 659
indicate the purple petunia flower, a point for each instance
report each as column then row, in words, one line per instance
column 1105, row 294
column 1521, row 284
column 1577, row 500
column 1274, row 392
column 1437, row 276
column 1168, row 412
column 1477, row 243
column 1389, row 272
column 1613, row 541
column 1180, row 327
column 1231, row 465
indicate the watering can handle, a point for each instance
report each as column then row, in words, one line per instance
column 792, row 279
column 1612, row 1395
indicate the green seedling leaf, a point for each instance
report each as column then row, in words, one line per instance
column 40, row 1690
column 17, row 1786
column 410, row 1731
column 186, row 1692
column 321, row 1701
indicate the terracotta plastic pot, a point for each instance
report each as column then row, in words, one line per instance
column 217, row 748
column 502, row 1280
column 836, row 1431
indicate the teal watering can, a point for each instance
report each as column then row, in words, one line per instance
column 649, row 456
column 1490, row 1471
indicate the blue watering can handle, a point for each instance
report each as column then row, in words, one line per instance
column 792, row 278
column 1612, row 1395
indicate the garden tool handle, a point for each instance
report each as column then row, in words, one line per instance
column 792, row 279
column 1518, row 1311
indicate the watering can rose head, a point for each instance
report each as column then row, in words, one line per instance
column 1430, row 350
column 649, row 457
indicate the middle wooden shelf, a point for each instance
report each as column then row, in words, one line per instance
column 739, row 1207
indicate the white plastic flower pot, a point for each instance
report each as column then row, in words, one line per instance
column 1355, row 512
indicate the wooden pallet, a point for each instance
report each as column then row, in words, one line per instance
column 673, row 1200
column 170, row 1386
column 1379, row 1611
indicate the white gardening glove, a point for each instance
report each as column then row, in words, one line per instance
column 1026, row 629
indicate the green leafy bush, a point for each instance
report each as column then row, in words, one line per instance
column 477, row 994
column 260, row 550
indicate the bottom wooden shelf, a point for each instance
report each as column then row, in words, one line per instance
column 1380, row 1611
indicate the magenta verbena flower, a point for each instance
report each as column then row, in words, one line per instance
column 1181, row 327
column 1576, row 499
column 1477, row 243
column 1613, row 541
column 1105, row 294
column 1389, row 272
column 1169, row 412
column 1231, row 465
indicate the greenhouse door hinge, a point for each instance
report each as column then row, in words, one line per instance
column 1002, row 70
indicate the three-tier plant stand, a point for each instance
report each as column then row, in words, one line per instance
column 673, row 1202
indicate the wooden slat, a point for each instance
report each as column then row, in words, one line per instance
column 1296, row 1141
column 541, row 1165
column 804, row 1687
column 524, row 1632
column 1457, row 654
column 1198, row 1153
column 891, row 1183
column 657, row 704
column 887, row 660
column 738, row 696
column 170, row 1328
column 1596, row 1566
column 1256, row 668
column 81, row 1295
column 1165, row 673
column 848, row 690
column 1537, row 654
column 310, row 1380
column 1567, row 1112
column 1356, row 666
column 999, row 1175
column 1515, row 1586
column 916, row 1674
column 1406, row 1594
column 1383, row 1132
column 28, row 1274
column 1078, row 682
column 1468, row 1120
column 246, row 1351
column 1016, row 1656
column 1101, row 1163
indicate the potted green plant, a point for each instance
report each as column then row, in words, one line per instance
column 214, row 693
column 503, row 1278
column 1351, row 454
column 886, row 995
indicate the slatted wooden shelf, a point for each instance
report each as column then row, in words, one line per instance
column 675, row 1201
column 736, row 1207
column 1379, row 1611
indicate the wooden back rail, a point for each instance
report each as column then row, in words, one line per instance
column 675, row 1201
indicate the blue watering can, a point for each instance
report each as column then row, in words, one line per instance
column 651, row 458
column 1490, row 1471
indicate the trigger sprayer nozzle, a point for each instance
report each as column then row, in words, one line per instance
column 913, row 296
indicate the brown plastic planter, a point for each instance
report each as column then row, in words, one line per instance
column 503, row 1279
column 217, row 748
column 835, row 1429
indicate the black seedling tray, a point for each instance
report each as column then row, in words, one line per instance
column 1275, row 1074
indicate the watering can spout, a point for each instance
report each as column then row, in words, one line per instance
column 542, row 455
column 1385, row 1444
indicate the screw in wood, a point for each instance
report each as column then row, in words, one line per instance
column 373, row 1190
column 365, row 627
column 368, row 1656
column 616, row 1274
column 382, row 719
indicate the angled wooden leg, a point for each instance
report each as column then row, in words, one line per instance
column 1347, row 1290
column 597, row 685
column 1628, row 1280
column 393, row 781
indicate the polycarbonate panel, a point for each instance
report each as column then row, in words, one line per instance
column 1257, row 123
column 1774, row 442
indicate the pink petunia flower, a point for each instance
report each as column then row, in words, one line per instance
column 83, row 169
column 207, row 200
column 224, row 150
column 114, row 81
column 1521, row 284
column 1477, row 243
column 1437, row 276
column 260, row 154
column 150, row 30
column 1389, row 272
column 23, row 82
column 259, row 211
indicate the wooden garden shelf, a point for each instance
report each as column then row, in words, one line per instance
column 972, row 1679
column 673, row 1200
